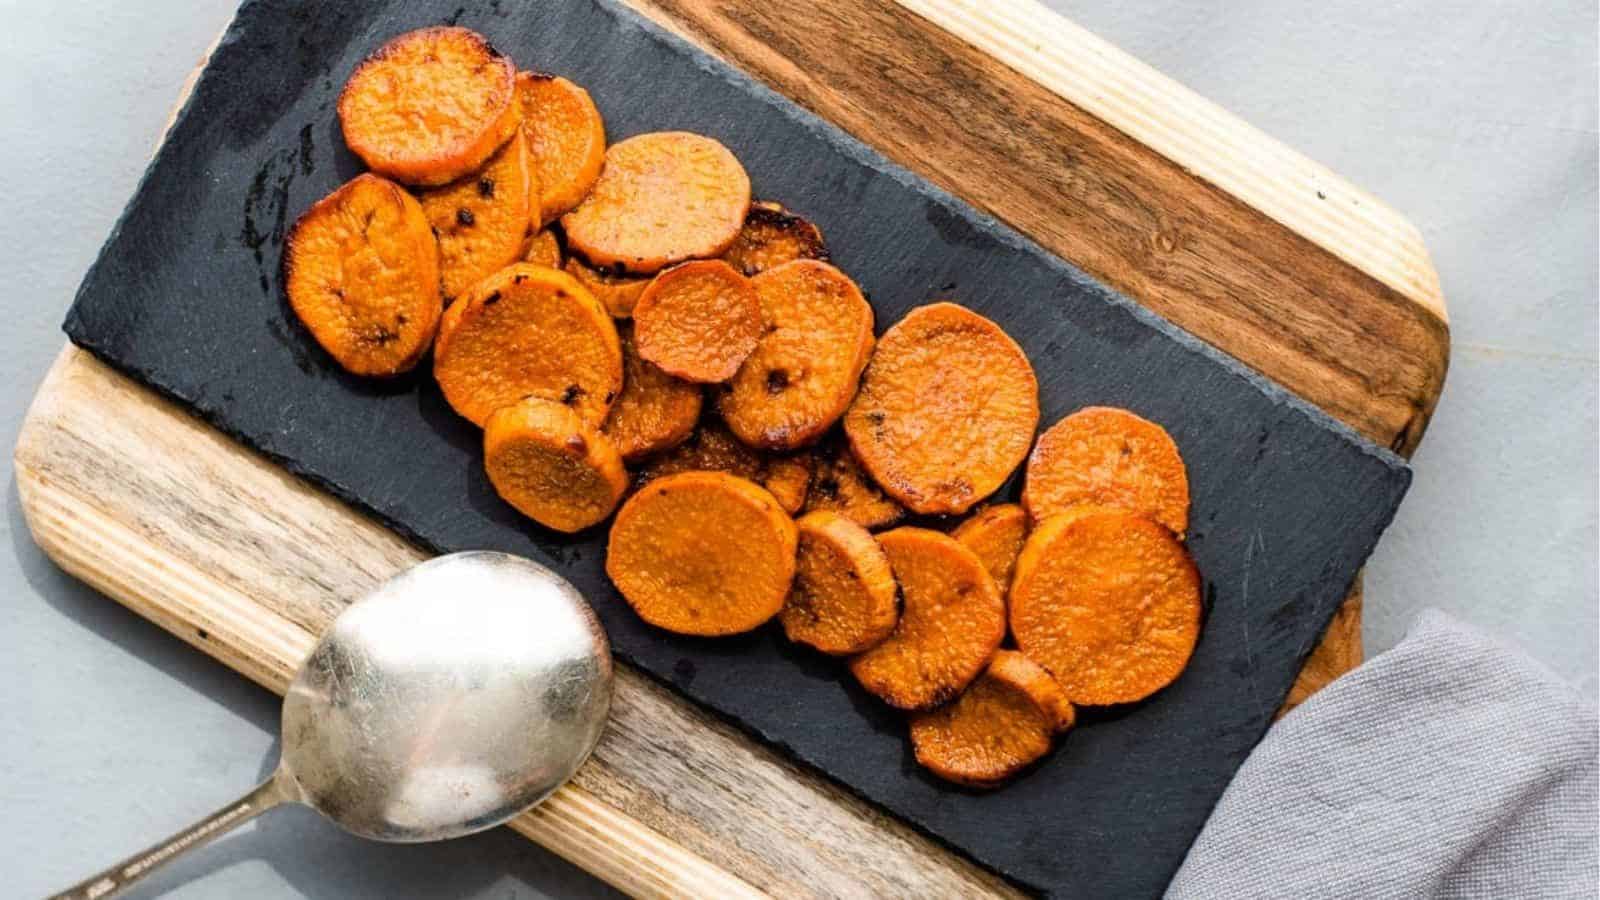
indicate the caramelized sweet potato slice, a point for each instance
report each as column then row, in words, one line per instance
column 946, row 411
column 529, row 331
column 362, row 273
column 483, row 220
column 655, row 411
column 698, row 321
column 842, row 486
column 1108, row 602
column 430, row 106
column 544, row 249
column 567, row 137
column 546, row 461
column 996, row 534
column 712, row 448
column 1108, row 457
column 772, row 236
column 702, row 553
column 951, row 622
column 998, row 727
column 617, row 293
column 661, row 198
column 844, row 596
column 807, row 364
column 788, row 477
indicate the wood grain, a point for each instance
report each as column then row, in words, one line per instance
column 1106, row 162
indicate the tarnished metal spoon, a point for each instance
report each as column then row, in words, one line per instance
column 456, row 695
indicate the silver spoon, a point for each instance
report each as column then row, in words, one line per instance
column 456, row 695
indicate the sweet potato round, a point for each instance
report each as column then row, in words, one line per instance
column 996, row 534
column 712, row 448
column 772, row 236
column 998, row 727
column 844, row 598
column 551, row 465
column 617, row 293
column 840, row 485
column 567, row 137
column 362, row 273
column 1108, row 457
column 430, row 106
column 544, row 249
column 698, row 321
column 655, row 411
column 482, row 221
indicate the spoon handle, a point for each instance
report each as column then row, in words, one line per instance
column 121, row 876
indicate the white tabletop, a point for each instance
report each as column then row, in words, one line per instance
column 1478, row 121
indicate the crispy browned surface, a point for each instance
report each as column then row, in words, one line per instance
column 655, row 411
column 946, row 411
column 844, row 596
column 617, row 293
column 551, row 465
column 951, row 622
column 998, row 727
column 544, row 249
column 430, row 106
column 567, row 138
column 528, row 331
column 661, row 198
column 1108, row 602
column 841, row 485
column 483, row 220
column 712, row 448
column 704, row 553
column 805, row 368
column 698, row 321
column 362, row 273
column 1108, row 457
column 996, row 534
column 772, row 236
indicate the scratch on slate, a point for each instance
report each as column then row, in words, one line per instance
column 1244, row 602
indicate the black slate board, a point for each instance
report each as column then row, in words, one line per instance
column 186, row 297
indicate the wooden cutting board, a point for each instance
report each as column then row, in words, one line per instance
column 1141, row 183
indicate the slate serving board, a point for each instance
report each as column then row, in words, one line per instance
column 187, row 297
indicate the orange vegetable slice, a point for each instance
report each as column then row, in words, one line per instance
column 567, row 136
column 661, row 198
column 712, row 448
column 529, row 331
column 362, row 274
column 998, row 727
column 788, row 477
column 996, row 534
column 951, row 622
column 947, row 409
column 772, row 236
column 842, row 486
column 844, row 598
column 1108, row 602
column 1108, row 457
column 430, row 106
column 618, row 293
column 551, row 465
column 806, row 366
column 483, row 220
column 655, row 411
column 702, row 553
column 698, row 321
column 544, row 249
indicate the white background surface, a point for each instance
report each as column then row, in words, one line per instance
column 1475, row 119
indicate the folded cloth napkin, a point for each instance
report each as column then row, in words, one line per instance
column 1450, row 766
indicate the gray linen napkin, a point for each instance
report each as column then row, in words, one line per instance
column 1450, row 766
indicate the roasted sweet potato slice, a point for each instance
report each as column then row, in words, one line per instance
column 804, row 370
column 655, row 411
column 947, row 409
column 842, row 486
column 996, row 534
column 567, row 136
column 999, row 726
column 951, row 622
column 430, row 106
column 712, row 448
column 550, row 464
column 544, row 249
column 1108, row 457
column 772, row 236
column 703, row 553
column 617, row 293
column 661, row 198
column 844, row 595
column 1108, row 601
column 529, row 331
column 483, row 220
column 698, row 321
column 362, row 273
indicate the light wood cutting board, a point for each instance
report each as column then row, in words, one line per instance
column 1145, row 185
